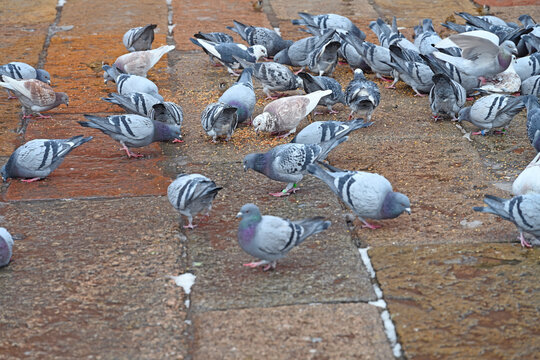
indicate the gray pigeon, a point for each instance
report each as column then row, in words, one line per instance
column 127, row 84
column 446, row 97
column 270, row 238
column 352, row 57
column 192, row 194
column 273, row 77
column 6, row 247
column 394, row 36
column 167, row 112
column 377, row 57
column 528, row 66
column 533, row 120
column 35, row 96
column 362, row 95
column 255, row 35
column 132, row 130
column 425, row 37
column 410, row 68
column 283, row 115
column 316, row 52
column 522, row 210
column 468, row 82
column 482, row 55
column 319, row 24
column 320, row 131
column 139, row 38
column 225, row 52
column 139, row 62
column 133, row 103
column 315, row 83
column 219, row 119
column 492, row 111
column 216, row 37
column 529, row 179
column 531, row 86
column 36, row 159
column 368, row 195
column 288, row 162
column 23, row 71
column 241, row 96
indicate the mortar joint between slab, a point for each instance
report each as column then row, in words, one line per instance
column 50, row 33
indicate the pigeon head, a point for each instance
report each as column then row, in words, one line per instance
column 464, row 114
column 359, row 74
column 43, row 75
column 264, row 122
column 249, row 212
column 4, row 172
column 394, row 204
column 282, row 57
column 166, row 132
column 254, row 161
column 299, row 82
column 62, row 98
column 509, row 47
column 259, row 51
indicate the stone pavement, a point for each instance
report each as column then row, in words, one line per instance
column 97, row 240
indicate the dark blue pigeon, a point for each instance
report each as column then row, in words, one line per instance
column 241, row 96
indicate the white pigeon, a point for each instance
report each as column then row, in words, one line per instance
column 529, row 179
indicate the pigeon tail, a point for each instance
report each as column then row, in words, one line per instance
column 495, row 206
column 311, row 226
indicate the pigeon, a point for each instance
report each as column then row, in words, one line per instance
column 133, row 103
column 36, row 159
column 469, row 83
column 132, row 130
column 362, row 95
column 531, row 86
column 315, row 83
column 6, row 247
column 284, row 115
column 482, row 55
column 192, row 194
column 269, row 238
column 139, row 38
column 288, row 162
column 216, row 37
column 528, row 66
column 529, row 179
column 446, row 97
column 352, row 57
column 507, row 82
column 318, row 24
column 319, row 53
column 532, row 41
column 225, row 52
column 139, row 62
column 377, row 57
column 167, row 112
column 23, row 71
column 255, row 35
column 492, row 111
column 241, row 96
column 410, row 67
column 368, row 195
column 219, row 119
column 425, row 36
column 34, row 95
column 522, row 210
column 533, row 120
column 274, row 77
column 394, row 36
column 127, row 84
column 320, row 131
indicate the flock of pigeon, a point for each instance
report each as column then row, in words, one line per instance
column 488, row 57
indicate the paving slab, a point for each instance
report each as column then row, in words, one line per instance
column 96, row 287
column 318, row 331
column 466, row 301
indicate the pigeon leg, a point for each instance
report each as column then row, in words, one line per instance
column 385, row 79
column 524, row 242
column 190, row 223
column 483, row 133
column 10, row 97
column 129, row 153
column 272, row 266
column 500, row 132
column 44, row 116
column 418, row 93
column 290, row 189
column 178, row 141
column 287, row 134
column 256, row 263
column 393, row 84
column 299, row 71
column 30, row 180
column 435, row 117
column 331, row 111
column 369, row 226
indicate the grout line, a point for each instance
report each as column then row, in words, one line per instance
column 51, row 31
column 389, row 327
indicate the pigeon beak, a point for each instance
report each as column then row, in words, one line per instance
column 408, row 210
column 239, row 215
column 245, row 168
